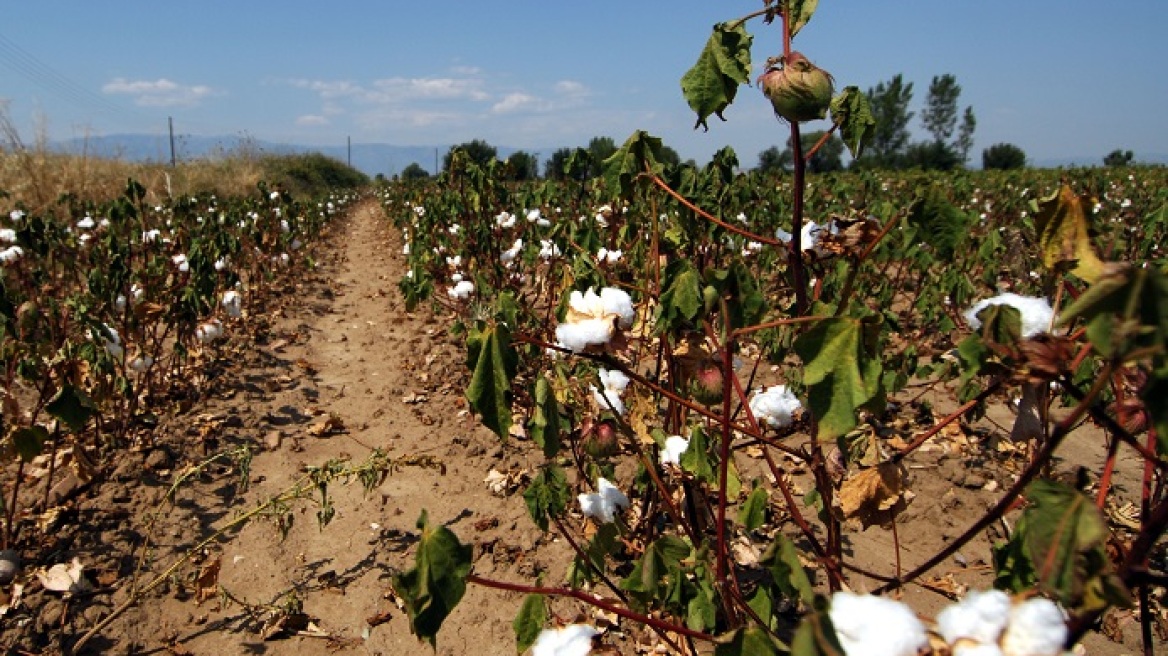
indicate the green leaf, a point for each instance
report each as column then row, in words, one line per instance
column 663, row 555
column 1066, row 543
column 1064, row 234
column 710, row 86
column 436, row 583
column 493, row 362
column 852, row 113
column 29, row 441
column 530, row 620
column 782, row 562
column 547, row 495
column 545, row 419
column 696, row 457
column 799, row 12
column 748, row 642
column 71, row 407
column 681, row 301
column 599, row 547
column 841, row 372
column 745, row 304
column 815, row 635
column 752, row 514
column 941, row 224
column 640, row 153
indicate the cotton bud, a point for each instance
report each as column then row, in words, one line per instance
column 706, row 383
column 604, row 440
column 799, row 91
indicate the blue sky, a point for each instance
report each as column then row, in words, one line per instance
column 1061, row 79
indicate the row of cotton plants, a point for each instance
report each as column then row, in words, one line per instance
column 106, row 307
column 646, row 331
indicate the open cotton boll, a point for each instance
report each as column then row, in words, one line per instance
column 580, row 335
column 604, row 502
column 675, row 445
column 970, row 648
column 181, row 262
column 617, row 301
column 606, row 256
column 513, row 252
column 1037, row 628
column 980, row 616
column 867, row 625
column 11, row 254
column 461, row 290
column 505, row 220
column 571, row 640
column 210, row 331
column 1037, row 315
column 140, row 363
column 86, row 224
column 614, row 383
column 8, row 235
column 548, row 249
column 232, row 304
column 111, row 340
column 775, row 406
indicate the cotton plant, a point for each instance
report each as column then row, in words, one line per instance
column 809, row 236
column 1037, row 314
column 461, row 290
column 508, row 256
column 603, row 504
column 605, row 256
column 594, row 319
column 609, row 395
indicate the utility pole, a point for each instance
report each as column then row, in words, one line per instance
column 170, row 122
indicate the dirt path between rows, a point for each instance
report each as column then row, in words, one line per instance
column 345, row 347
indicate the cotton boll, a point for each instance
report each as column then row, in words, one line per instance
column 140, row 363
column 548, row 249
column 11, row 254
column 614, row 383
column 580, row 335
column 461, row 291
column 675, row 445
column 8, row 235
column 232, row 304
column 971, row 648
column 513, row 252
column 181, row 262
column 1037, row 628
column 980, row 616
column 776, row 406
column 604, row 503
column 867, row 625
column 1037, row 315
column 571, row 640
column 617, row 301
column 86, row 224
column 209, row 332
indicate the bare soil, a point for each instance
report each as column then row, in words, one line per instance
column 340, row 370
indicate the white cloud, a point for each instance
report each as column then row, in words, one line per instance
column 309, row 120
column 514, row 102
column 158, row 93
column 571, row 88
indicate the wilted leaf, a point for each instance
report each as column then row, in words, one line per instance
column 841, row 371
column 681, row 298
column 799, row 13
column 710, row 86
column 29, row 441
column 874, row 496
column 436, row 583
column 1064, row 234
column 850, row 110
column 641, row 152
column 327, row 426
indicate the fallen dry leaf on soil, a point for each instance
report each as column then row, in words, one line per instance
column 327, row 426
column 874, row 496
column 207, row 582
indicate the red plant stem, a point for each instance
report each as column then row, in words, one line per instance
column 797, row 189
column 819, row 144
column 706, row 215
column 953, row 416
column 775, row 324
column 591, row 600
column 1003, row 505
column 720, row 566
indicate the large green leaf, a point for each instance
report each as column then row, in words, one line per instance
column 1064, row 234
column 493, row 362
column 529, row 621
column 681, row 301
column 1061, row 545
column 852, row 113
column 641, row 152
column 841, row 371
column 72, row 407
column 547, row 495
column 752, row 514
column 436, row 583
column 29, row 441
column 545, row 418
column 661, row 557
column 815, row 635
column 710, row 86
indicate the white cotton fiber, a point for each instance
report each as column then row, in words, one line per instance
column 1037, row 314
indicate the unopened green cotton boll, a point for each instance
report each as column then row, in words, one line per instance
column 799, row 90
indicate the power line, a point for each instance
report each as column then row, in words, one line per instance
column 49, row 79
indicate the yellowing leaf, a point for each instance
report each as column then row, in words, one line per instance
column 1064, row 234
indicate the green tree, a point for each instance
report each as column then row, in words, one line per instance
column 964, row 142
column 932, row 156
column 522, row 166
column 567, row 163
column 479, row 152
column 771, row 160
column 1003, row 156
column 940, row 114
column 414, row 172
column 1118, row 157
column 600, row 148
column 669, row 156
column 940, row 120
column 889, row 102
